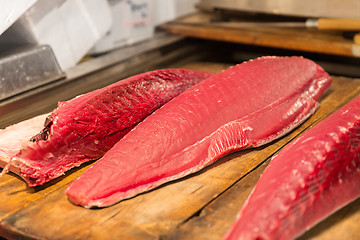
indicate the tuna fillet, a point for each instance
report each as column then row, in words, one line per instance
column 85, row 127
column 244, row 106
column 307, row 181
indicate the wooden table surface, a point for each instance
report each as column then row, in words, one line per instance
column 199, row 206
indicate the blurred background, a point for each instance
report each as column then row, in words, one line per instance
column 51, row 45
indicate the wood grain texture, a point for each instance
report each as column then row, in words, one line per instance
column 170, row 211
column 327, row 42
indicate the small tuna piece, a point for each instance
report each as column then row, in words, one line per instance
column 15, row 137
column 85, row 127
column 244, row 106
column 308, row 180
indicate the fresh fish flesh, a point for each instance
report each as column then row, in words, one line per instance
column 308, row 180
column 85, row 127
column 246, row 105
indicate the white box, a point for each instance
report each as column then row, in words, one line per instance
column 139, row 18
column 117, row 36
column 70, row 27
column 168, row 10
column 133, row 21
column 11, row 10
column 164, row 11
column 184, row 7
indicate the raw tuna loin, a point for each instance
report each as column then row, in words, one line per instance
column 307, row 181
column 244, row 106
column 85, row 127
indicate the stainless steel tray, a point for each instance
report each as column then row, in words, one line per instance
column 26, row 68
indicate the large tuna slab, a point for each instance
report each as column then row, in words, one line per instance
column 85, row 127
column 244, row 106
column 308, row 180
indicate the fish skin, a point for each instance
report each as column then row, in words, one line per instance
column 308, row 180
column 209, row 120
column 85, row 127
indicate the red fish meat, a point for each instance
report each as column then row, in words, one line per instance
column 307, row 181
column 244, row 106
column 85, row 127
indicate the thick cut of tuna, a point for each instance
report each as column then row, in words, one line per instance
column 85, row 127
column 244, row 106
column 307, row 181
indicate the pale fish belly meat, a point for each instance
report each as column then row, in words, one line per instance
column 247, row 105
column 15, row 137
column 308, row 180
column 87, row 126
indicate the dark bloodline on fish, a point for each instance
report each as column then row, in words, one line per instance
column 85, row 127
column 244, row 106
column 308, row 180
column 44, row 134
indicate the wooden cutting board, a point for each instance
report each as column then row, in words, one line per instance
column 199, row 25
column 199, row 206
